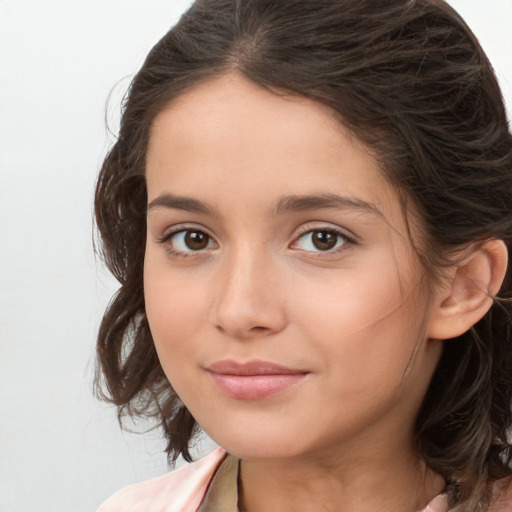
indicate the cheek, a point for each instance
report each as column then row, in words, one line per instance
column 365, row 324
column 349, row 301
column 173, row 308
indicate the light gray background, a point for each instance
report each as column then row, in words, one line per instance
column 59, row 450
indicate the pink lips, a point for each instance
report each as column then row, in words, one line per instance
column 253, row 380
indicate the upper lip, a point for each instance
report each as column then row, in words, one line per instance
column 257, row 367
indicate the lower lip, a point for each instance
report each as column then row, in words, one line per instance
column 255, row 387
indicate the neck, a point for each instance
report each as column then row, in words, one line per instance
column 365, row 482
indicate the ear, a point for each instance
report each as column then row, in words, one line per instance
column 469, row 290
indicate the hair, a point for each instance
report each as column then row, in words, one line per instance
column 410, row 80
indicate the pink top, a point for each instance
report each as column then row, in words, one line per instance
column 183, row 490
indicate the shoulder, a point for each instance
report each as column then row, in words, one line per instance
column 502, row 496
column 180, row 490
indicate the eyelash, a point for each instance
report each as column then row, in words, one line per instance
column 345, row 239
column 167, row 237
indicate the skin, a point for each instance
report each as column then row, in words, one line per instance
column 353, row 319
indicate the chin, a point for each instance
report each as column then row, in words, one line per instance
column 259, row 445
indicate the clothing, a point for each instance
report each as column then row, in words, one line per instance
column 210, row 485
column 222, row 493
column 181, row 490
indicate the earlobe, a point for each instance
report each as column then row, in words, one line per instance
column 469, row 290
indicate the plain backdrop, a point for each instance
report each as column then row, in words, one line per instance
column 60, row 60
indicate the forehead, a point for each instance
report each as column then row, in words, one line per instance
column 229, row 135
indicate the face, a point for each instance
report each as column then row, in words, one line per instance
column 286, row 303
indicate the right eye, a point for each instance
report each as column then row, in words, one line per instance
column 187, row 241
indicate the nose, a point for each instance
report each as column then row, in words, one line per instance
column 251, row 300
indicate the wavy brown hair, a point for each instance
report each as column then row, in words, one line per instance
column 410, row 80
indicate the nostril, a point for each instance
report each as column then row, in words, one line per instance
column 247, row 316
column 251, row 331
column 257, row 329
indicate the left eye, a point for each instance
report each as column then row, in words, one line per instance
column 322, row 240
column 190, row 240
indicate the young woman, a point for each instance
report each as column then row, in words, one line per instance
column 309, row 210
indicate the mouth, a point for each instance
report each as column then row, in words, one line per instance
column 253, row 380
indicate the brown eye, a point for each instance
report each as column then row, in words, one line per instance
column 196, row 240
column 188, row 241
column 324, row 240
column 320, row 240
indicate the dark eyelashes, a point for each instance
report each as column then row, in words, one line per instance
column 343, row 234
column 167, row 235
column 162, row 239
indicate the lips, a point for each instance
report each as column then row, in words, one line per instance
column 253, row 380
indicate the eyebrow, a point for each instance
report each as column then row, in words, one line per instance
column 187, row 204
column 321, row 201
column 284, row 205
